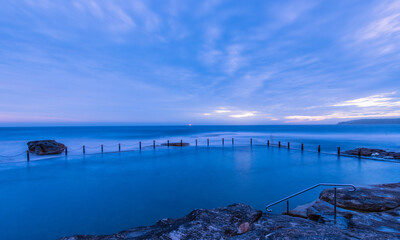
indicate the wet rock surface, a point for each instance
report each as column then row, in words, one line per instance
column 368, row 152
column 178, row 144
column 311, row 221
column 45, row 147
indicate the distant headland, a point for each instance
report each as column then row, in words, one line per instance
column 372, row 121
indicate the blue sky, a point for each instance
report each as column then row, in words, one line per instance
column 199, row 62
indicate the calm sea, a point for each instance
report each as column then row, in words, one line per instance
column 13, row 140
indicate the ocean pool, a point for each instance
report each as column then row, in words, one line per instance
column 107, row 193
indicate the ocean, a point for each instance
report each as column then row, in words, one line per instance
column 13, row 140
column 105, row 193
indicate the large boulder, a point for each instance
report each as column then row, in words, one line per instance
column 46, row 147
column 375, row 198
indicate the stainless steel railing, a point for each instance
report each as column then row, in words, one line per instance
column 308, row 189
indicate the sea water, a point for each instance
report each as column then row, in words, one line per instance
column 106, row 193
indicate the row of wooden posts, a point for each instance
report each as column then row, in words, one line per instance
column 208, row 144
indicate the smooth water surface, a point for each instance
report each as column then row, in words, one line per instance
column 104, row 194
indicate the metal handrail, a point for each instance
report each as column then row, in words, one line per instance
column 308, row 189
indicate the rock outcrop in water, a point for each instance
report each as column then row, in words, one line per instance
column 368, row 152
column 368, row 213
column 178, row 144
column 46, row 147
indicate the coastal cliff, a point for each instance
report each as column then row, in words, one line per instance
column 371, row 212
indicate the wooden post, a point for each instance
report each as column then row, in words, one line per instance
column 288, row 145
column 154, row 144
column 27, row 155
column 66, row 151
column 223, row 142
column 140, row 145
column 119, row 147
column 359, row 152
column 181, row 143
column 196, row 142
column 101, row 148
column 208, row 142
column 251, row 141
column 233, row 141
column 268, row 143
column 338, row 151
column 279, row 144
column 167, row 143
column 84, row 151
column 302, row 147
column 319, row 148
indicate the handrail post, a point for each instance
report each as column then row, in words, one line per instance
column 287, row 207
column 335, row 206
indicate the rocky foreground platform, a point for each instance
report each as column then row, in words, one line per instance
column 371, row 212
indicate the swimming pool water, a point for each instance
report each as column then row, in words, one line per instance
column 107, row 193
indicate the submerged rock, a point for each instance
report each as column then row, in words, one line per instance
column 46, row 147
column 357, row 218
column 368, row 152
column 178, row 144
